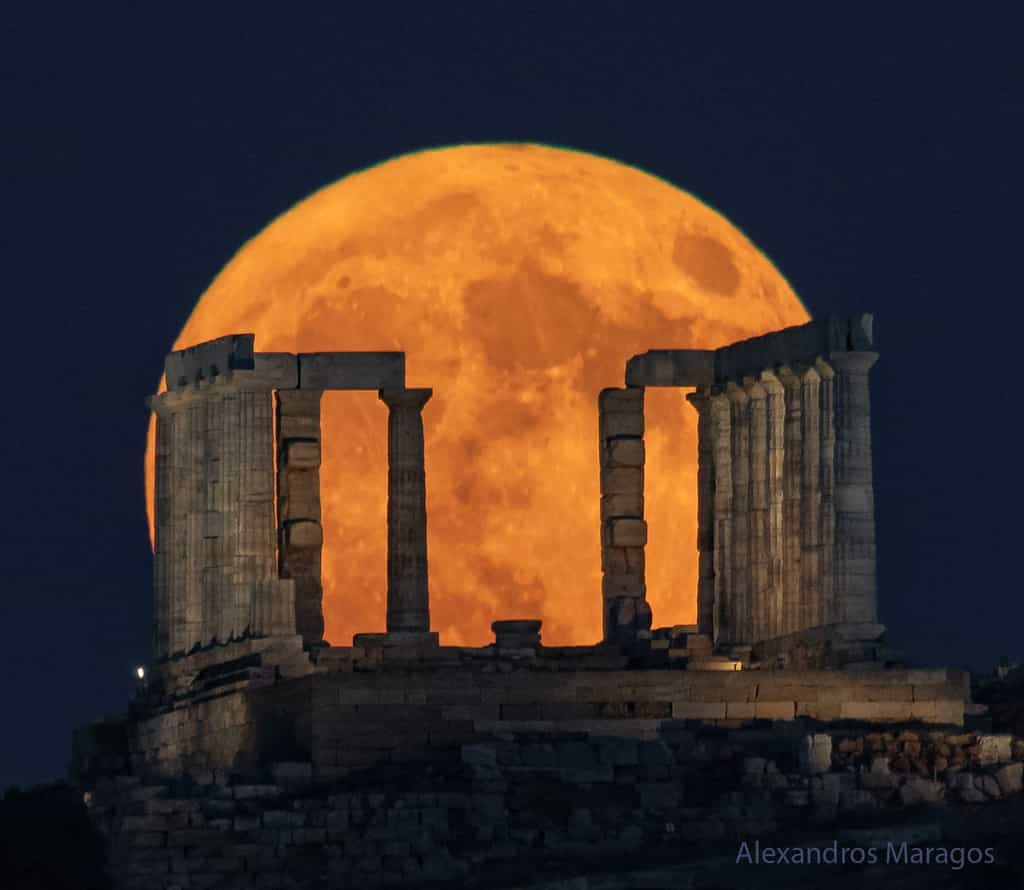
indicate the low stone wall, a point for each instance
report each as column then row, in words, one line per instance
column 507, row 810
column 344, row 720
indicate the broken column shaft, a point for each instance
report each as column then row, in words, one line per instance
column 301, row 536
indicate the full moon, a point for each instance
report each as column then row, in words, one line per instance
column 518, row 279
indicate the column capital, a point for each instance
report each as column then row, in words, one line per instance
column 734, row 392
column 853, row 362
column 797, row 373
column 168, row 402
column 754, row 388
column 405, row 398
column 771, row 383
column 700, row 398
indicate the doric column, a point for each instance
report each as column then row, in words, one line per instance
column 828, row 507
column 300, row 540
column 854, row 558
column 701, row 401
column 791, row 514
column 255, row 559
column 739, row 404
column 721, row 441
column 758, row 554
column 775, row 423
column 212, row 558
column 627, row 615
column 163, row 527
column 193, row 503
column 812, row 611
column 408, row 606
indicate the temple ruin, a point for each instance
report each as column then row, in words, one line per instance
column 245, row 705
column 785, row 502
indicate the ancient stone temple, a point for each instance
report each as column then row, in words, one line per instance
column 244, row 741
column 786, row 525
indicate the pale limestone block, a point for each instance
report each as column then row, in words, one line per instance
column 691, row 710
column 815, row 753
column 775, row 710
column 994, row 748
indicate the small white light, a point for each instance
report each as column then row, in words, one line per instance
column 140, row 672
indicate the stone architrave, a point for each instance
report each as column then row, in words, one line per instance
column 854, row 581
column 721, row 441
column 791, row 511
column 775, row 422
column 740, row 577
column 408, row 606
column 300, row 530
column 701, row 401
column 759, row 557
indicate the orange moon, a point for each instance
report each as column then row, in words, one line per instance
column 518, row 279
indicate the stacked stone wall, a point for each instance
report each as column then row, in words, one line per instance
column 506, row 810
column 344, row 720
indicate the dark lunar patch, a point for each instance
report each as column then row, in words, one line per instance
column 522, row 319
column 707, row 261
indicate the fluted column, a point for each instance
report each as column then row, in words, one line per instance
column 163, row 527
column 212, row 556
column 255, row 558
column 193, row 502
column 854, row 567
column 739, row 403
column 758, row 523
column 791, row 514
column 828, row 507
column 721, row 439
column 701, row 401
column 408, row 599
column 812, row 611
column 775, row 433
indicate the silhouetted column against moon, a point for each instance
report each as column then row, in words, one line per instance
column 854, row 559
column 721, row 435
column 408, row 605
column 758, row 523
column 701, row 401
column 739, row 404
column 775, row 413
column 298, row 505
column 791, row 513
column 627, row 615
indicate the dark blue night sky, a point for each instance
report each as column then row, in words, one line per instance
column 876, row 160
